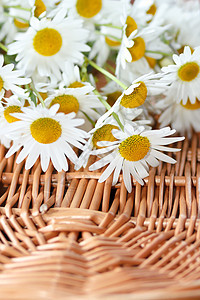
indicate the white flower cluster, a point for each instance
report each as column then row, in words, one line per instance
column 93, row 75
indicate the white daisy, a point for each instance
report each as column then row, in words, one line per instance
column 44, row 132
column 181, row 117
column 8, row 106
column 47, row 43
column 9, row 79
column 184, row 76
column 76, row 100
column 137, row 95
column 132, row 151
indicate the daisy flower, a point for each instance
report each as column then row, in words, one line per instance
column 47, row 43
column 9, row 79
column 137, row 95
column 7, row 107
column 77, row 100
column 184, row 77
column 44, row 132
column 132, row 152
column 181, row 117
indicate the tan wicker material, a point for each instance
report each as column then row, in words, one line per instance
column 66, row 236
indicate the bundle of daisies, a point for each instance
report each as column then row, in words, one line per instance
column 52, row 96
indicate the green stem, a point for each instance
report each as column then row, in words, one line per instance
column 37, row 94
column 109, row 25
column 158, row 52
column 108, row 107
column 17, row 6
column 108, row 36
column 106, row 73
column 89, row 119
column 4, row 48
column 16, row 17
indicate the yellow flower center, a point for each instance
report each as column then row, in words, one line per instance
column 45, row 130
column 9, row 110
column 43, row 95
column 1, row 83
column 47, row 41
column 136, row 98
column 20, row 24
column 76, row 84
column 188, row 71
column 131, row 26
column 138, row 49
column 191, row 106
column 152, row 9
column 134, row 148
column 182, row 49
column 112, row 43
column 112, row 97
column 68, row 103
column 39, row 8
column 151, row 61
column 88, row 8
column 103, row 134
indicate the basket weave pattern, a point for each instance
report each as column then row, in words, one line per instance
column 65, row 234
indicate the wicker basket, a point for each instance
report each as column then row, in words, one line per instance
column 66, row 236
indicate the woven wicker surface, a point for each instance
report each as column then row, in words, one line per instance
column 66, row 235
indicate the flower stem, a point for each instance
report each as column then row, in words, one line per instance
column 17, row 6
column 106, row 73
column 158, row 52
column 109, row 25
column 3, row 47
column 37, row 94
column 108, row 107
column 16, row 17
column 108, row 36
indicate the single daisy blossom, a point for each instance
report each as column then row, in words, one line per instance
column 183, row 78
column 44, row 132
column 132, row 152
column 47, row 43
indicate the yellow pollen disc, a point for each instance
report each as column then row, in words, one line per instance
column 191, row 106
column 43, row 95
column 88, row 8
column 182, row 49
column 136, row 98
column 134, row 148
column 68, row 103
column 45, row 130
column 103, row 134
column 138, row 49
column 188, row 71
column 76, row 84
column 11, row 109
column 21, row 25
column 1, row 83
column 47, row 42
column 112, row 97
column 111, row 42
column 152, row 10
column 131, row 26
column 151, row 61
column 39, row 8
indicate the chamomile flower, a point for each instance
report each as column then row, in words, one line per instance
column 47, row 43
column 184, row 77
column 137, row 95
column 9, row 79
column 181, row 117
column 132, row 152
column 8, row 106
column 77, row 100
column 44, row 132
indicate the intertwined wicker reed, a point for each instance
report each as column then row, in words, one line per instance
column 64, row 235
